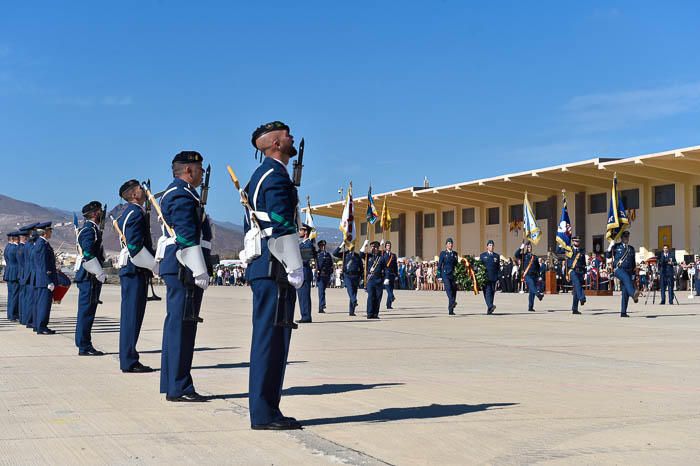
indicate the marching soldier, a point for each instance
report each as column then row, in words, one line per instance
column 446, row 265
column 530, row 266
column 183, row 268
column 11, row 275
column 308, row 253
column 492, row 263
column 392, row 270
column 353, row 269
column 576, row 268
column 44, row 278
column 274, row 197
column 376, row 271
column 667, row 271
column 134, row 275
column 90, row 277
column 622, row 255
column 324, row 270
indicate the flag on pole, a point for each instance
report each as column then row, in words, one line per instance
column 385, row 220
column 617, row 218
column 371, row 209
column 564, row 229
column 530, row 228
column 347, row 220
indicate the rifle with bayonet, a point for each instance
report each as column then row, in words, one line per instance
column 298, row 165
column 147, row 216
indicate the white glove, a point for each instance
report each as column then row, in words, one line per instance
column 522, row 245
column 364, row 245
column 611, row 245
column 202, row 281
column 386, row 281
column 50, row 287
column 101, row 277
column 296, row 278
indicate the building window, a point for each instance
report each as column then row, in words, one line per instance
column 468, row 215
column 597, row 203
column 377, row 226
column 664, row 195
column 697, row 195
column 542, row 210
column 429, row 221
column 448, row 218
column 492, row 216
column 363, row 228
column 630, row 198
column 395, row 224
column 516, row 213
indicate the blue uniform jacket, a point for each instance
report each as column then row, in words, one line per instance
column 137, row 233
column 28, row 268
column 392, row 266
column 447, row 263
column 525, row 259
column 324, row 264
column 376, row 266
column 20, row 261
column 90, row 241
column 277, row 197
column 44, row 264
column 578, row 254
column 623, row 256
column 11, row 269
column 180, row 206
column 666, row 268
column 352, row 263
column 492, row 263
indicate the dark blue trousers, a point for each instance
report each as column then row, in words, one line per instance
column 489, row 293
column 577, row 289
column 375, row 287
column 304, row 295
column 268, row 353
column 666, row 284
column 13, row 300
column 322, row 283
column 87, row 307
column 42, row 313
column 352, row 283
column 178, row 339
column 697, row 287
column 389, row 293
column 29, row 305
column 627, row 287
column 532, row 290
column 22, row 301
column 451, row 291
column 134, row 288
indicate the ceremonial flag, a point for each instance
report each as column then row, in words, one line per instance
column 617, row 218
column 347, row 220
column 530, row 228
column 309, row 220
column 564, row 230
column 385, row 220
column 371, row 209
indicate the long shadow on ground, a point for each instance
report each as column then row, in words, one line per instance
column 325, row 389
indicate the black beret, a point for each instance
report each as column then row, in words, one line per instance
column 576, row 238
column 387, row 242
column 374, row 243
column 490, row 242
column 90, row 207
column 127, row 186
column 188, row 156
column 626, row 233
column 449, row 240
column 267, row 128
column 306, row 227
column 322, row 242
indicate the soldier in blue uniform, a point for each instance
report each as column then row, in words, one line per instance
column 376, row 273
column 272, row 273
column 576, row 267
column 492, row 263
column 27, row 297
column 11, row 275
column 530, row 266
column 90, row 277
column 184, row 269
column 21, row 287
column 44, row 278
column 667, row 272
column 447, row 263
column 623, row 258
column 308, row 253
column 324, row 270
column 392, row 271
column 353, row 269
column 134, row 275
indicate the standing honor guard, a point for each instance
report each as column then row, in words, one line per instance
column 308, row 253
column 667, row 272
column 44, row 278
column 135, row 234
column 492, row 263
column 90, row 276
column 21, row 286
column 622, row 255
column 324, row 271
column 576, row 269
column 447, row 264
column 530, row 266
column 26, row 279
column 353, row 269
column 275, row 266
column 392, row 270
column 184, row 269
column 375, row 271
column 11, row 275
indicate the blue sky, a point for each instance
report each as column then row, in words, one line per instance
column 94, row 93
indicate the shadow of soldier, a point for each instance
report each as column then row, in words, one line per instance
column 324, row 389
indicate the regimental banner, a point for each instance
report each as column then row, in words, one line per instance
column 530, row 228
column 564, row 229
column 347, row 220
column 617, row 217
